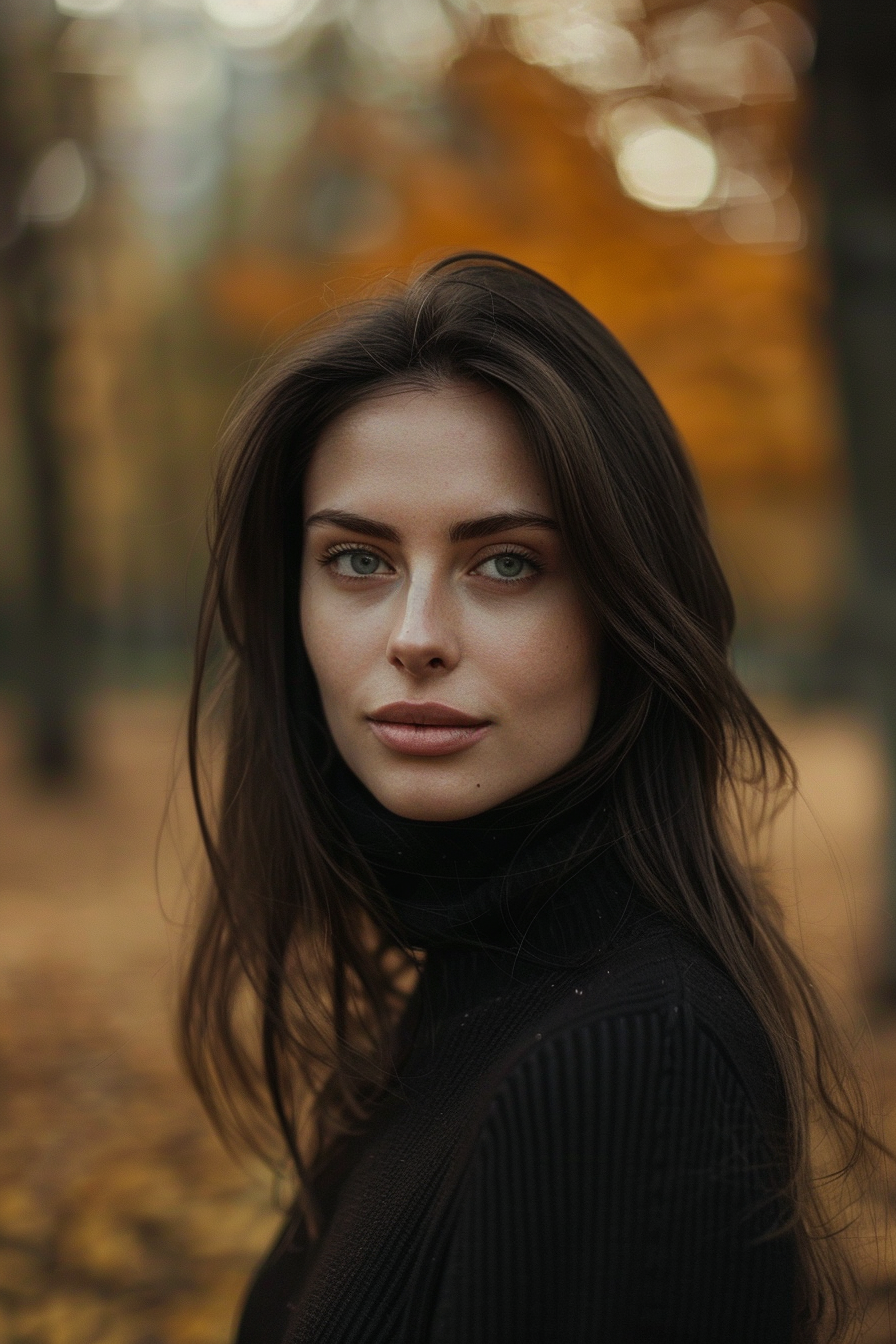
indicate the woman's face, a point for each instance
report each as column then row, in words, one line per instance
column 456, row 662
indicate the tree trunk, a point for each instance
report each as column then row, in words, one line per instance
column 855, row 140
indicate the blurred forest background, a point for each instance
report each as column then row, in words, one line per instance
column 182, row 184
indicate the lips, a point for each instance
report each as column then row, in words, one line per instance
column 426, row 728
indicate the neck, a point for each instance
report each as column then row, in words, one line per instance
column 465, row 881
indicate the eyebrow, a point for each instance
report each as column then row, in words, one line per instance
column 499, row 522
column 353, row 522
column 469, row 530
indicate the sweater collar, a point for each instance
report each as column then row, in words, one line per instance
column 507, row 879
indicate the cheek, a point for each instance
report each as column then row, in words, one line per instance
column 547, row 662
column 345, row 643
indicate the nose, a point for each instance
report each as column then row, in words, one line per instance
column 424, row 639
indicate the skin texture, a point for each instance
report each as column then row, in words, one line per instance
column 437, row 616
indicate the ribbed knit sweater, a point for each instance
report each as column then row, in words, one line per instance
column 580, row 1144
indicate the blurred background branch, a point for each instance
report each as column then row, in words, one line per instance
column 44, row 178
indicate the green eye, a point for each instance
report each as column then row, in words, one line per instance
column 362, row 562
column 357, row 564
column 507, row 566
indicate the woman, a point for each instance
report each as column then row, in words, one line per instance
column 480, row 961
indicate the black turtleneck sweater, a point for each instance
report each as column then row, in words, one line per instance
column 579, row 1148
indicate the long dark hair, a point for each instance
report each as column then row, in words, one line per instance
column 293, row 992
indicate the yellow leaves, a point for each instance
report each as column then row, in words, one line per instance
column 121, row 1219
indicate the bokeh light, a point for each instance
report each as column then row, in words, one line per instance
column 724, row 62
column 89, row 8
column 251, row 13
column 414, row 35
column 59, row 185
column 667, row 167
column 257, row 23
column 586, row 48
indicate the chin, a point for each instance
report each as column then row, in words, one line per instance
column 427, row 795
column 440, row 809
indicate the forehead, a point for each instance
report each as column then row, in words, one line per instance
column 451, row 450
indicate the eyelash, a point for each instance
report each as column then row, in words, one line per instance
column 512, row 549
column 352, row 548
column 349, row 548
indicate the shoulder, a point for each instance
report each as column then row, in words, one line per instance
column 651, row 1087
column 621, row 1169
column 655, row 1018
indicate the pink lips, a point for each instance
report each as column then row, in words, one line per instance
column 426, row 728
